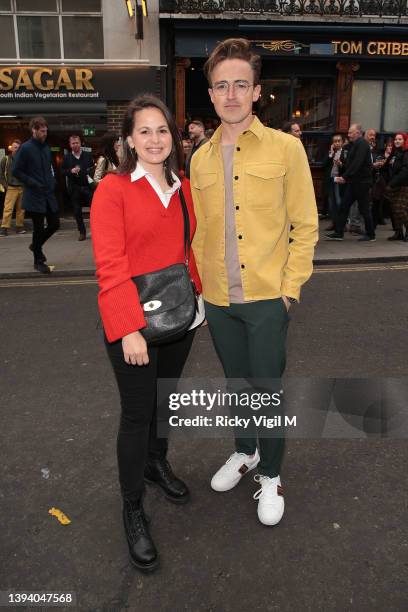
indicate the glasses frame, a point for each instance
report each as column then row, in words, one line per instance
column 233, row 85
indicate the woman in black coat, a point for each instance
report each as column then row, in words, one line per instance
column 396, row 173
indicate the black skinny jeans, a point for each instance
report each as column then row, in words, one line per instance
column 137, row 437
column 41, row 233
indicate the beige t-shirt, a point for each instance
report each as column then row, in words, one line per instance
column 235, row 292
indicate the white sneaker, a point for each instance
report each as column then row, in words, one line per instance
column 233, row 470
column 271, row 504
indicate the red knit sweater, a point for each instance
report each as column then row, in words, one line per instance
column 133, row 233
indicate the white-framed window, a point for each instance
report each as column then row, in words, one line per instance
column 380, row 104
column 51, row 29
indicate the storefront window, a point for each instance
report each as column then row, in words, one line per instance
column 37, row 6
column 313, row 103
column 81, row 6
column 5, row 5
column 366, row 103
column 274, row 105
column 7, row 42
column 39, row 37
column 83, row 37
column 396, row 105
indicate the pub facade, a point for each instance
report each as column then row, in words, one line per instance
column 326, row 63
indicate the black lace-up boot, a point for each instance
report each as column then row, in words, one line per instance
column 143, row 553
column 158, row 472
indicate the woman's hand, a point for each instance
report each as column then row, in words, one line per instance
column 135, row 349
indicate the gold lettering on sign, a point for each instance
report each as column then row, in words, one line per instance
column 64, row 80
column 6, row 82
column 382, row 48
column 336, row 44
column 357, row 47
column 404, row 49
column 24, row 80
column 37, row 79
column 371, row 48
column 83, row 77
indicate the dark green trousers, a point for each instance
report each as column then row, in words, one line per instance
column 250, row 340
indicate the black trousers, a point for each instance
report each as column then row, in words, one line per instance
column 41, row 233
column 250, row 340
column 80, row 196
column 359, row 192
column 137, row 437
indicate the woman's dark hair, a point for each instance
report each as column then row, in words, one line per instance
column 107, row 148
column 174, row 162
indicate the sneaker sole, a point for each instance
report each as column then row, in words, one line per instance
column 238, row 481
column 175, row 500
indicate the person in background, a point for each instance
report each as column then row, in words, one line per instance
column 137, row 227
column 197, row 137
column 108, row 161
column 14, row 192
column 33, row 167
column 357, row 176
column 332, row 167
column 396, row 168
column 293, row 128
column 77, row 167
column 187, row 146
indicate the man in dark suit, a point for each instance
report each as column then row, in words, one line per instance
column 33, row 167
column 77, row 167
column 357, row 178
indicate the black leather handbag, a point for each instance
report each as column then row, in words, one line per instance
column 168, row 296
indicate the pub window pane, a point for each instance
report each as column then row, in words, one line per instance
column 313, row 103
column 366, row 104
column 396, row 105
column 7, row 42
column 5, row 5
column 81, row 6
column 37, row 6
column 39, row 37
column 83, row 37
column 274, row 105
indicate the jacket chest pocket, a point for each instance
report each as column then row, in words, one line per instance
column 264, row 185
column 208, row 186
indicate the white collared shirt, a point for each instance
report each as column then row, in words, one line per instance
column 165, row 196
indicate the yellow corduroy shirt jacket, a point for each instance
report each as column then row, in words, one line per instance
column 274, row 201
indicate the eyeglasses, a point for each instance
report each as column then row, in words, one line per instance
column 239, row 87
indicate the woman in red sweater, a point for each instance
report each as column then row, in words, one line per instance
column 137, row 227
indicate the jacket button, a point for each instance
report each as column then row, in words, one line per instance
column 240, row 237
column 236, row 177
column 242, row 267
column 237, row 208
column 238, row 148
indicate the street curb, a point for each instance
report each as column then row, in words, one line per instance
column 360, row 260
column 90, row 272
column 55, row 274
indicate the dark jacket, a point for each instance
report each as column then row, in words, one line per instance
column 359, row 165
column 7, row 178
column 85, row 162
column 398, row 171
column 33, row 167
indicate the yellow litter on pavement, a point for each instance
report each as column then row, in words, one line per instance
column 63, row 519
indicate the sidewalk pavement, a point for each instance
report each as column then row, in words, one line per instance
column 68, row 257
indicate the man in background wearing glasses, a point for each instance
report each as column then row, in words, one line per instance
column 256, row 230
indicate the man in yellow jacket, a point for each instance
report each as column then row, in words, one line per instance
column 257, row 226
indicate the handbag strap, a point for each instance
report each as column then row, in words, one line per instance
column 186, row 227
